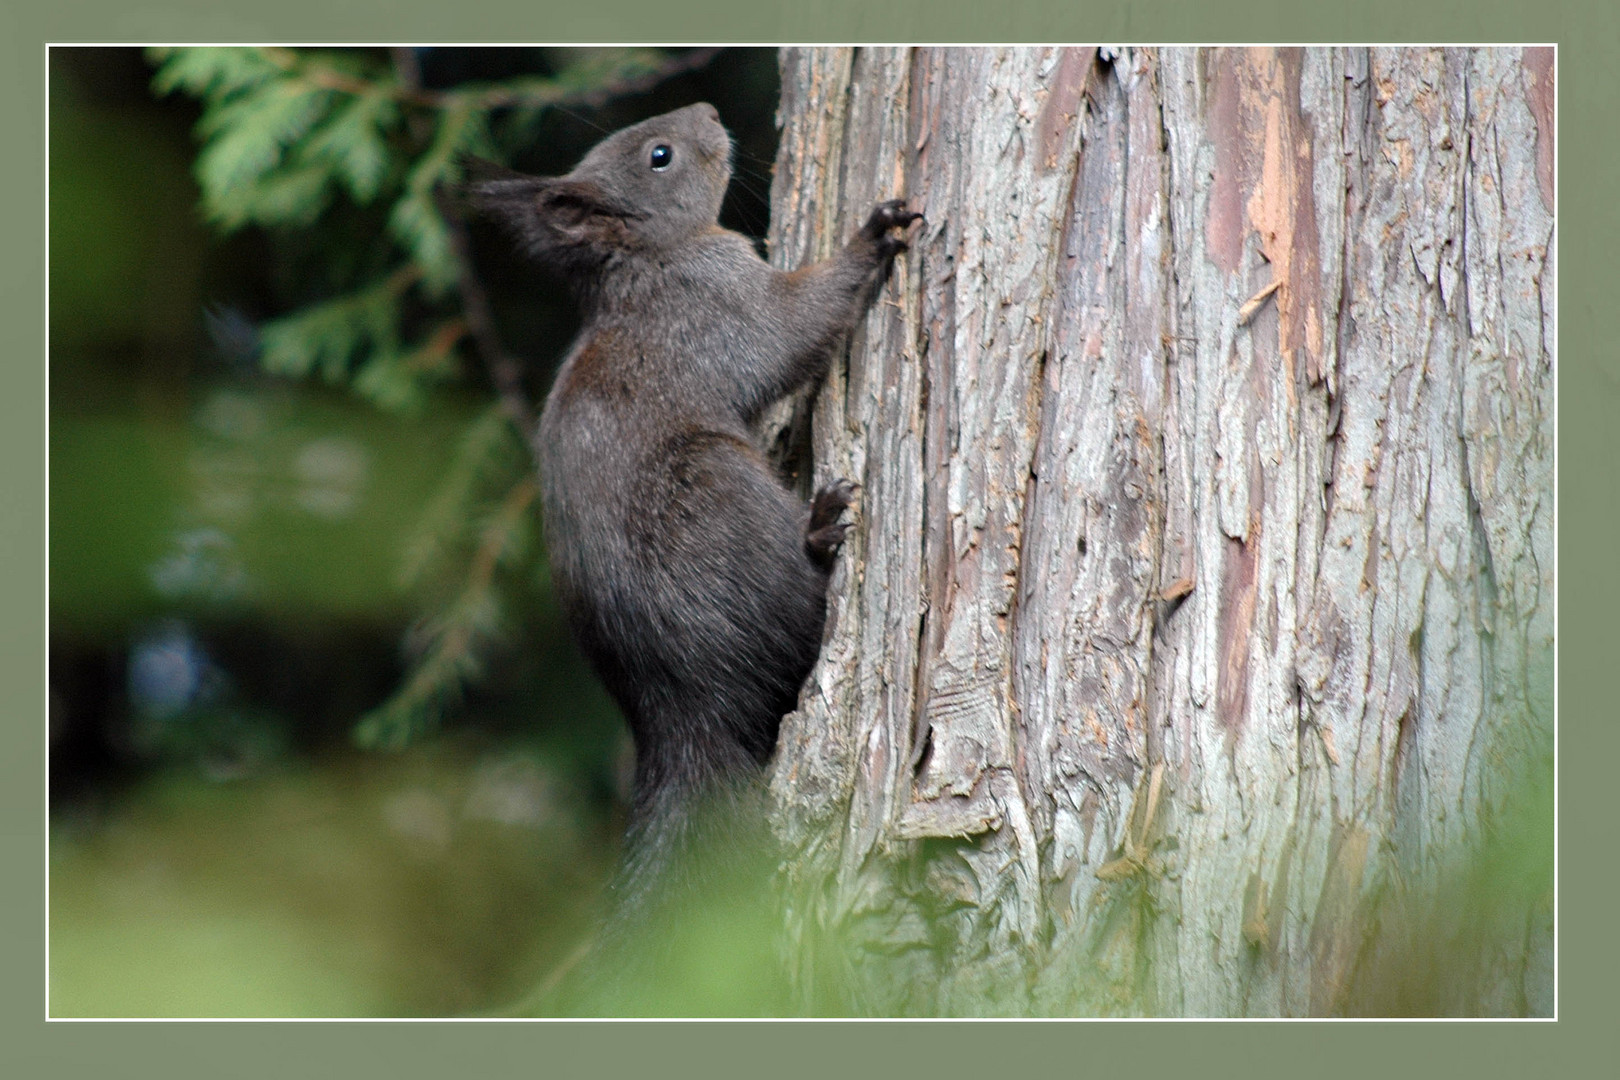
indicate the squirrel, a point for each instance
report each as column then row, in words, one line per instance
column 693, row 580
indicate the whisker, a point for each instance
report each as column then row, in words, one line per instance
column 754, row 173
column 756, row 160
column 576, row 116
column 752, row 189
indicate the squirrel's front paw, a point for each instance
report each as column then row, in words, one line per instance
column 886, row 217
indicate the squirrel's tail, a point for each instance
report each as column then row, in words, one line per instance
column 691, row 930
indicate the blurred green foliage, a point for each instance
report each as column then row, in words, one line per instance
column 273, row 454
column 125, row 254
column 433, row 882
column 278, row 451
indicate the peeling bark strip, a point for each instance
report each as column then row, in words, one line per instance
column 1264, row 177
column 1266, row 332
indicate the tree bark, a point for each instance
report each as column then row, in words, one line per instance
column 1199, row 613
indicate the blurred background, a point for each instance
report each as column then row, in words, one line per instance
column 319, row 743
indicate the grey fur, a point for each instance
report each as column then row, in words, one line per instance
column 693, row 580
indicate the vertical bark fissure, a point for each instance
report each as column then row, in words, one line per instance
column 1355, row 155
column 930, row 399
column 1158, row 663
column 1485, row 596
column 1157, row 605
column 919, row 139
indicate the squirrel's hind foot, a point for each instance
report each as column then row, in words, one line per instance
column 824, row 533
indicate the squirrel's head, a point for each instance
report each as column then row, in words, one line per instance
column 648, row 186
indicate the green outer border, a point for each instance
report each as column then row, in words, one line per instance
column 1589, row 34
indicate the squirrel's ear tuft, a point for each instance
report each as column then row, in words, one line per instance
column 476, row 169
column 495, row 190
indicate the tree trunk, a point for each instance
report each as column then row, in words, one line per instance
column 1195, row 637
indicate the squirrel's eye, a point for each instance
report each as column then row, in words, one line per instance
column 661, row 157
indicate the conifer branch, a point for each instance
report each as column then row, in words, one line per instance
column 636, row 74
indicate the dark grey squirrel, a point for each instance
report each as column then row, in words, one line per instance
column 694, row 581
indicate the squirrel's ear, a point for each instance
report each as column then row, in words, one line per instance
column 496, row 190
column 578, row 210
column 544, row 210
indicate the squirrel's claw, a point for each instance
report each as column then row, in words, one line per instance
column 889, row 215
column 824, row 533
